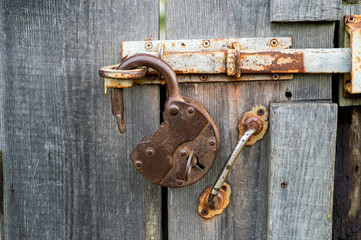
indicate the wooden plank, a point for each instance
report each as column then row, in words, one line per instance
column 347, row 197
column 66, row 162
column 305, row 10
column 2, row 122
column 246, row 216
column 301, row 170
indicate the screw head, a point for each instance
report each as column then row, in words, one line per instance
column 190, row 110
column 284, row 185
column 206, row 43
column 148, row 45
column 351, row 19
column 273, row 42
column 212, row 142
column 183, row 153
column 151, row 77
column 173, row 109
column 275, row 77
column 149, row 151
column 138, row 164
column 260, row 112
column 204, row 212
column 203, row 77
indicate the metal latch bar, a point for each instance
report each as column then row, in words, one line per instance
column 244, row 59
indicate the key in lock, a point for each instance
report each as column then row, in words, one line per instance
column 184, row 147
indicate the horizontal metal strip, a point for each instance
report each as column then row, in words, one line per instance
column 209, row 78
column 336, row 60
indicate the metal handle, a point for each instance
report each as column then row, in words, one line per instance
column 252, row 127
column 228, row 166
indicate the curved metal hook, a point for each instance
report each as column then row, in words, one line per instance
column 150, row 61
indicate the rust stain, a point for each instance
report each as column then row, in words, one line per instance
column 221, row 204
column 273, row 62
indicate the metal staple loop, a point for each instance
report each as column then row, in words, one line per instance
column 112, row 72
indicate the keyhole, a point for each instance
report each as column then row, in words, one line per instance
column 198, row 164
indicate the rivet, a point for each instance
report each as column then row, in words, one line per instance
column 190, row 110
column 212, row 142
column 148, row 45
column 138, row 164
column 173, row 109
column 179, row 182
column 284, row 185
column 149, row 151
column 183, row 153
column 273, row 42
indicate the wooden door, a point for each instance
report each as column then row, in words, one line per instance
column 66, row 169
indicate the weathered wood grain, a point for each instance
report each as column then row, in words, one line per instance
column 305, row 10
column 63, row 156
column 246, row 216
column 301, row 169
column 347, row 197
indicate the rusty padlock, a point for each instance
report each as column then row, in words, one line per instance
column 184, row 147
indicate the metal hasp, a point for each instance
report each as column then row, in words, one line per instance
column 252, row 128
column 242, row 59
column 352, row 81
column 184, row 147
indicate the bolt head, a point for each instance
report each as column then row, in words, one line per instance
column 173, row 109
column 212, row 142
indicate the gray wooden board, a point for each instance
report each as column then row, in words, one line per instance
column 63, row 156
column 302, row 152
column 305, row 10
column 246, row 216
column 346, row 101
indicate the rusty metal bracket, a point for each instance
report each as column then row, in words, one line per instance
column 252, row 127
column 194, row 61
column 352, row 80
column 242, row 59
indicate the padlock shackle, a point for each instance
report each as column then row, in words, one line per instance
column 161, row 66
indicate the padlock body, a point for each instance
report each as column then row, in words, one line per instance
column 183, row 148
